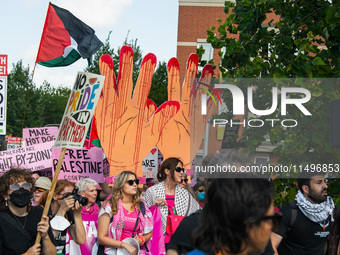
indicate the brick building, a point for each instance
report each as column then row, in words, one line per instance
column 195, row 17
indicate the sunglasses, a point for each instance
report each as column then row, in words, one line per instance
column 184, row 180
column 130, row 182
column 201, row 190
column 39, row 189
column 276, row 219
column 179, row 169
column 17, row 186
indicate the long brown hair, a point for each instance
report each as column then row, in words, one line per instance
column 169, row 163
column 118, row 194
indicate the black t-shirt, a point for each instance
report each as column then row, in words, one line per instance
column 305, row 237
column 60, row 239
column 12, row 241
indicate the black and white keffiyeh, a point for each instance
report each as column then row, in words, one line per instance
column 184, row 202
column 315, row 212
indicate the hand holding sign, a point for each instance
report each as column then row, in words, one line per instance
column 186, row 129
column 126, row 131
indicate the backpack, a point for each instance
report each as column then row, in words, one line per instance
column 101, row 248
column 293, row 209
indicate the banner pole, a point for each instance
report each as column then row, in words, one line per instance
column 51, row 191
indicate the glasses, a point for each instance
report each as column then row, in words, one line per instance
column 39, row 189
column 201, row 190
column 179, row 169
column 17, row 186
column 184, row 180
column 276, row 219
column 130, row 182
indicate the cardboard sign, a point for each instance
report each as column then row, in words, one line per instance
column 150, row 164
column 79, row 110
column 79, row 164
column 3, row 65
column 36, row 157
column 14, row 142
column 3, row 104
column 33, row 136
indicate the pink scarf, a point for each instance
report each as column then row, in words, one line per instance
column 94, row 209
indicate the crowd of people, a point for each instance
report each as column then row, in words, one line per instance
column 223, row 216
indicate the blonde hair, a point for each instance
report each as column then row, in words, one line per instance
column 117, row 192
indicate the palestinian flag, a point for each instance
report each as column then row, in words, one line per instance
column 94, row 139
column 65, row 39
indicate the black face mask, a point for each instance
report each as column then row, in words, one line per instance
column 20, row 197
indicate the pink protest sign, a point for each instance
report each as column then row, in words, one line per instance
column 33, row 136
column 79, row 164
column 36, row 157
column 90, row 246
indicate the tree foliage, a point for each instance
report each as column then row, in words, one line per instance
column 303, row 41
column 45, row 104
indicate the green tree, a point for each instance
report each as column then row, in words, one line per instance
column 45, row 104
column 53, row 101
column 302, row 42
column 159, row 88
column 19, row 86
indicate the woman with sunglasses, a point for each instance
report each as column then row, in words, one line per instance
column 65, row 215
column 168, row 195
column 19, row 222
column 124, row 216
column 184, row 184
column 41, row 185
column 238, row 218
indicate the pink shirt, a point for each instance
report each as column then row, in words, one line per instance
column 129, row 222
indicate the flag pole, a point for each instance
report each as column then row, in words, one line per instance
column 51, row 191
column 35, row 64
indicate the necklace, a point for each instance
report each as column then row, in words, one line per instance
column 23, row 226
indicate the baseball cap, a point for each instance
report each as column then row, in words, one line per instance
column 43, row 182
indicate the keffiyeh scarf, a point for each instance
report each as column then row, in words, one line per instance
column 315, row 212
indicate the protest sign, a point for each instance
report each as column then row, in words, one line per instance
column 3, row 93
column 80, row 163
column 3, row 65
column 33, row 136
column 79, row 110
column 150, row 164
column 14, row 142
column 36, row 157
column 90, row 246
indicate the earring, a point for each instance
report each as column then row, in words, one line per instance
column 6, row 203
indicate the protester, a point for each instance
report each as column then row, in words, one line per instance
column 88, row 188
column 168, row 195
column 312, row 213
column 182, row 242
column 65, row 214
column 19, row 222
column 124, row 216
column 41, row 185
column 237, row 218
column 184, row 184
column 36, row 175
column 199, row 190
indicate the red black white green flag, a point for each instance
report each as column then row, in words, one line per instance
column 65, row 39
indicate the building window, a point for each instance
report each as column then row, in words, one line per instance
column 261, row 161
column 208, row 50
